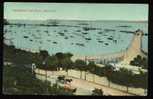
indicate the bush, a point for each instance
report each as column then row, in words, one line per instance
column 140, row 61
column 20, row 81
column 97, row 92
column 127, row 78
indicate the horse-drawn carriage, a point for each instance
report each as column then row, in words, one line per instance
column 66, row 83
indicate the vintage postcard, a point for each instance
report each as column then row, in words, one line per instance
column 75, row 49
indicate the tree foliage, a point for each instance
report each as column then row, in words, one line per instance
column 63, row 60
column 80, row 64
column 140, row 61
column 18, row 80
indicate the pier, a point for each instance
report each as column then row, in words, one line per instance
column 125, row 56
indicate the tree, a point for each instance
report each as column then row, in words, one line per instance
column 139, row 57
column 52, row 62
column 126, row 77
column 108, row 72
column 41, row 59
column 69, row 55
column 44, row 54
column 67, row 64
column 67, row 61
column 143, row 80
column 80, row 64
column 18, row 80
column 60, row 57
column 92, row 68
column 140, row 61
column 38, row 60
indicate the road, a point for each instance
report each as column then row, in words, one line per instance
column 85, row 87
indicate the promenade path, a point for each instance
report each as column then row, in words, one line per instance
column 80, row 83
column 85, row 87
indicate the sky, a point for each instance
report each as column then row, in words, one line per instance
column 75, row 11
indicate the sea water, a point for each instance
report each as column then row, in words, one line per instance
column 69, row 36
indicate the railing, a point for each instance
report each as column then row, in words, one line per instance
column 93, row 79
